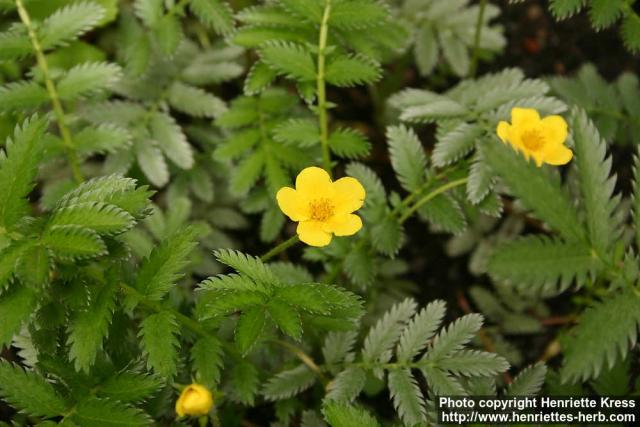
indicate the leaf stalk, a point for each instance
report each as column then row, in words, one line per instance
column 53, row 93
column 433, row 194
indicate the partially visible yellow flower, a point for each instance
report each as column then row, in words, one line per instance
column 194, row 400
column 542, row 139
column 322, row 207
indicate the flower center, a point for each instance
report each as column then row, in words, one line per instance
column 533, row 139
column 321, row 209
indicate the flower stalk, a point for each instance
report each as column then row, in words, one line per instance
column 322, row 88
column 333, row 274
column 280, row 248
column 476, row 39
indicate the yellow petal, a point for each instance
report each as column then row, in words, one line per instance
column 555, row 128
column 180, row 406
column 312, row 233
column 293, row 204
column 560, row 155
column 348, row 195
column 314, row 181
column 524, row 116
column 344, row 225
column 503, row 131
column 538, row 158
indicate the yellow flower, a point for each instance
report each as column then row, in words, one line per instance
column 542, row 139
column 195, row 400
column 322, row 207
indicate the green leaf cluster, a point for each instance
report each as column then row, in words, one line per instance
column 165, row 27
column 613, row 107
column 262, row 299
column 284, row 34
column 405, row 340
column 216, row 105
column 145, row 120
column 445, row 30
column 603, row 14
column 467, row 114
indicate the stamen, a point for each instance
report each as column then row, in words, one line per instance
column 533, row 139
column 321, row 209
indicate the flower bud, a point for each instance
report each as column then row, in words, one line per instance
column 195, row 400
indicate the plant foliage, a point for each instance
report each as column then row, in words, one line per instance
column 144, row 143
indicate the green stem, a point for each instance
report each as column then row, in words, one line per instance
column 615, row 114
column 280, row 248
column 431, row 196
column 322, row 89
column 179, row 6
column 335, row 271
column 333, row 274
column 203, row 37
column 155, row 106
column 391, row 365
column 199, row 330
column 417, row 192
column 304, row 358
column 186, row 321
column 53, row 93
column 410, row 198
column 476, row 39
